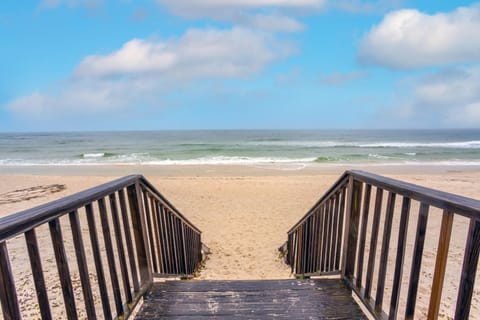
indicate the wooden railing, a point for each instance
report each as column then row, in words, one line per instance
column 143, row 235
column 339, row 235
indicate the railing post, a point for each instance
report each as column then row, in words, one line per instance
column 8, row 293
column 140, row 233
column 352, row 219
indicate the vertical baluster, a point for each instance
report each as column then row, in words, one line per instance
column 469, row 270
column 401, row 243
column 149, row 234
column 373, row 242
column 293, row 261
column 417, row 260
column 440, row 264
column 120, row 248
column 352, row 220
column 63, row 270
column 387, row 229
column 139, row 232
column 307, row 246
column 128, row 240
column 315, row 241
column 153, row 205
column 163, row 239
column 37, row 272
column 178, row 233
column 8, row 293
column 171, row 235
column 107, row 239
column 107, row 314
column 327, row 233
column 299, row 249
column 82, row 264
column 185, row 263
column 335, row 249
column 340, row 228
column 363, row 234
column 322, row 238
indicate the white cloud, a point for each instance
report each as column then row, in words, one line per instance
column 449, row 98
column 272, row 15
column 141, row 71
column 236, row 52
column 410, row 39
column 338, row 78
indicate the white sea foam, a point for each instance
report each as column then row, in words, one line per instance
column 93, row 155
column 459, row 145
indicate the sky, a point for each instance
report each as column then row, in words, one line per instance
column 69, row 65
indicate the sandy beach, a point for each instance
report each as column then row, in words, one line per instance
column 244, row 212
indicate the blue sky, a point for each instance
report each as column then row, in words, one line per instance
column 238, row 64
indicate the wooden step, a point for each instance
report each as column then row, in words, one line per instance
column 263, row 299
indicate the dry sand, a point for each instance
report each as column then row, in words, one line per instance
column 245, row 212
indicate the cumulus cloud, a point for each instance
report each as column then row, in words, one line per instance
column 237, row 52
column 411, row 39
column 272, row 15
column 449, row 98
column 338, row 78
column 144, row 69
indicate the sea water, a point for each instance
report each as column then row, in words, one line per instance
column 309, row 147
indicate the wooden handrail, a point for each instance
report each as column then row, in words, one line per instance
column 143, row 235
column 314, row 243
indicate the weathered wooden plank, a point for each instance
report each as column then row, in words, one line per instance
column 401, row 243
column 328, row 229
column 335, row 249
column 128, row 240
column 120, row 249
column 340, row 228
column 156, row 236
column 363, row 234
column 8, row 294
column 82, row 265
column 417, row 261
column 107, row 314
column 63, row 270
column 149, row 227
column 382, row 272
column 440, row 264
column 469, row 270
column 373, row 242
column 351, row 226
column 293, row 299
column 107, row 240
column 139, row 232
column 321, row 238
column 37, row 272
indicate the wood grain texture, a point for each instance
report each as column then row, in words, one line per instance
column 283, row 299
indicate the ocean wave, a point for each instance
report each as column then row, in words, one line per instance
column 460, row 145
column 337, row 144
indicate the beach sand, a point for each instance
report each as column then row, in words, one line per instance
column 244, row 213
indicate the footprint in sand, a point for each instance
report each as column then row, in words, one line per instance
column 30, row 193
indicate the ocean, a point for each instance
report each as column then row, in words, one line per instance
column 243, row 147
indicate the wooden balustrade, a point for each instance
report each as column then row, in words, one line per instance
column 143, row 236
column 337, row 226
